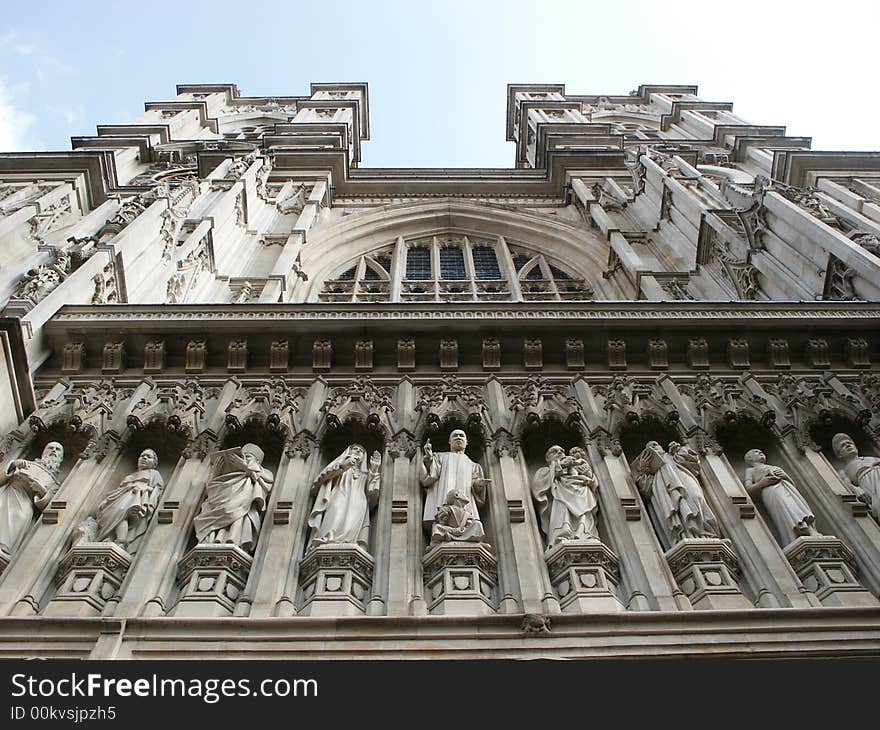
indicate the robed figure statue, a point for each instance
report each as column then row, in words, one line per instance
column 235, row 498
column 124, row 514
column 344, row 492
column 25, row 489
column 788, row 510
column 862, row 473
column 670, row 483
column 564, row 492
column 454, row 487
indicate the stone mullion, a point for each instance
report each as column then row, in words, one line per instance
column 301, row 473
column 416, row 542
column 861, row 534
column 643, row 565
column 388, row 539
column 265, row 585
column 503, row 472
column 534, row 579
column 265, row 550
column 305, row 468
column 36, row 560
column 763, row 564
column 530, row 532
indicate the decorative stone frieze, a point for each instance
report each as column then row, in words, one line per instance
column 738, row 353
column 237, row 356
column 617, row 354
column 533, row 354
column 574, row 354
column 113, row 357
column 406, row 354
column 698, row 353
column 363, row 355
column 448, row 354
column 279, row 356
column 658, row 357
column 196, row 356
column 322, row 353
column 778, row 353
column 154, row 357
column 491, row 353
column 818, row 353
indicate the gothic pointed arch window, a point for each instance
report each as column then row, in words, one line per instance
column 455, row 268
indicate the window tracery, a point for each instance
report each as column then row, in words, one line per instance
column 454, row 268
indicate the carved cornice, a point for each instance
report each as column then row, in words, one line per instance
column 268, row 315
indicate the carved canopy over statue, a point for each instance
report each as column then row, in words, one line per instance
column 564, row 491
column 670, row 481
column 345, row 490
column 235, row 498
column 124, row 514
column 788, row 510
column 455, row 486
column 861, row 472
column 26, row 489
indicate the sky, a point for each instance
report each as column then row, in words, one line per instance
column 438, row 72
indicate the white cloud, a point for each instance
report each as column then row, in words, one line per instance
column 14, row 123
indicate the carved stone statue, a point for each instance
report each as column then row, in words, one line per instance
column 455, row 486
column 788, row 510
column 235, row 498
column 346, row 489
column 862, row 472
column 26, row 489
column 670, row 482
column 564, row 491
column 125, row 513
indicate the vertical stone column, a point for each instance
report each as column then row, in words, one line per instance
column 284, row 513
column 391, row 590
column 643, row 565
column 30, row 574
column 303, row 468
column 500, row 456
column 533, row 580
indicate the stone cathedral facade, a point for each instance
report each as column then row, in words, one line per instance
column 619, row 400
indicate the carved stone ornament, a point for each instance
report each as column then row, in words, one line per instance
column 585, row 576
column 706, row 570
column 211, row 579
column 336, row 580
column 460, row 579
column 828, row 568
column 89, row 574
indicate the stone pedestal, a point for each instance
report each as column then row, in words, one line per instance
column 705, row 570
column 89, row 574
column 828, row 568
column 336, row 580
column 211, row 577
column 460, row 579
column 585, row 575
